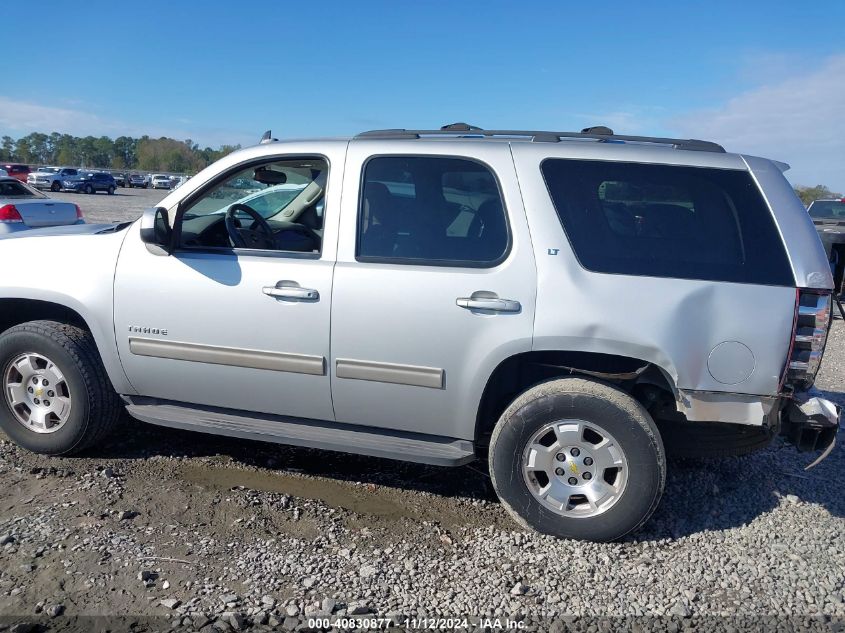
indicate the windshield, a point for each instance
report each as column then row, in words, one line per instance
column 49, row 170
column 827, row 209
column 16, row 189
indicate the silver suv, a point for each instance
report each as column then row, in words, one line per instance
column 570, row 307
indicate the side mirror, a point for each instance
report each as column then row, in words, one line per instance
column 156, row 232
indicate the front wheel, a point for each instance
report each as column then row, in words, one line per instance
column 576, row 458
column 88, row 189
column 110, row 190
column 57, row 398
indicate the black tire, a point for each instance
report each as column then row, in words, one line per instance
column 110, row 190
column 703, row 440
column 88, row 189
column 55, row 186
column 95, row 406
column 602, row 406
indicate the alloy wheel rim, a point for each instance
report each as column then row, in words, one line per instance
column 575, row 468
column 37, row 393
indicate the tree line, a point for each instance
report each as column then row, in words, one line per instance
column 819, row 192
column 123, row 152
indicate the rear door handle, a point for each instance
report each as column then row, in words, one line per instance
column 483, row 303
column 282, row 291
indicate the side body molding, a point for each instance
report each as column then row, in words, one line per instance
column 234, row 357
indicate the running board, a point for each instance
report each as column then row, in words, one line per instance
column 331, row 436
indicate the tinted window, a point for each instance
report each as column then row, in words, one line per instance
column 431, row 210
column 828, row 209
column 667, row 221
column 15, row 189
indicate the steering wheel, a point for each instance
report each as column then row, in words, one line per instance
column 259, row 235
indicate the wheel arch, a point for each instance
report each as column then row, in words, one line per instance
column 651, row 384
column 17, row 310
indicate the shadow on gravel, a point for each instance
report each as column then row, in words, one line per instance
column 137, row 440
column 719, row 494
column 700, row 495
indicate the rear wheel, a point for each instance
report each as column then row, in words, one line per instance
column 57, row 398
column 55, row 186
column 576, row 458
column 110, row 190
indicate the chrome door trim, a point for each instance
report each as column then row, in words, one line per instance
column 232, row 356
column 412, row 375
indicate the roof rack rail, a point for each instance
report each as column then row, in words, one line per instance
column 598, row 133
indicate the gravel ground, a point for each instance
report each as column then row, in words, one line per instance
column 125, row 204
column 185, row 530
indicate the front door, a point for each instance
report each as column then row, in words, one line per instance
column 434, row 285
column 238, row 316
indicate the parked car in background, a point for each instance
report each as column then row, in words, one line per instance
column 137, row 180
column 119, row 178
column 50, row 177
column 23, row 207
column 4, row 173
column 829, row 218
column 181, row 180
column 90, row 182
column 16, row 170
column 160, row 181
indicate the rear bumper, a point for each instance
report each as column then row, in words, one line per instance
column 804, row 419
column 8, row 229
column 810, row 422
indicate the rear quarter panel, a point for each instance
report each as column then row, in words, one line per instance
column 672, row 323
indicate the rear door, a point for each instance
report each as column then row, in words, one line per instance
column 434, row 284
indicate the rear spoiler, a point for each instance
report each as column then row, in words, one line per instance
column 784, row 167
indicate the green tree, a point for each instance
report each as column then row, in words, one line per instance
column 124, row 152
column 819, row 192
column 7, row 148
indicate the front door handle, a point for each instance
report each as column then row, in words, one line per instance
column 486, row 303
column 284, row 291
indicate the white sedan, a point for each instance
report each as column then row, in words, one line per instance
column 22, row 207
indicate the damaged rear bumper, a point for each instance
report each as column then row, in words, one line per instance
column 810, row 422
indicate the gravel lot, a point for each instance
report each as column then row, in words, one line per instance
column 215, row 534
column 125, row 204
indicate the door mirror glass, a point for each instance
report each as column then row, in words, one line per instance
column 156, row 231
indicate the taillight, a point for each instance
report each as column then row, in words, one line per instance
column 9, row 214
column 78, row 212
column 809, row 336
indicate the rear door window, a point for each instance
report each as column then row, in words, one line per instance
column 667, row 221
column 431, row 210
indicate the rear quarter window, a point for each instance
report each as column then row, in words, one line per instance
column 667, row 221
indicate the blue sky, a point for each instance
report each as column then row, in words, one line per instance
column 761, row 77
